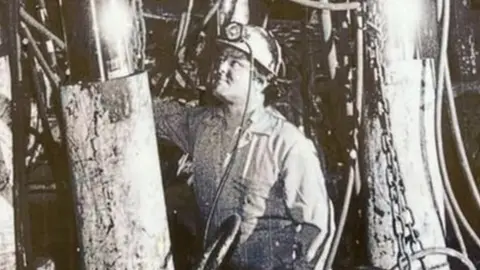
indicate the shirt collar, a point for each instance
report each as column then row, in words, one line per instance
column 261, row 121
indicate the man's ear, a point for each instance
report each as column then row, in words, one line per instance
column 260, row 82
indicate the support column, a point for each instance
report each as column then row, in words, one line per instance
column 111, row 143
column 109, row 133
column 400, row 51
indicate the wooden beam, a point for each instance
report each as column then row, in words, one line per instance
column 117, row 184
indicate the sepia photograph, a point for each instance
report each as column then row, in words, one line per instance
column 239, row 134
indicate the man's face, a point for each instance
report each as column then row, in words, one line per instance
column 230, row 76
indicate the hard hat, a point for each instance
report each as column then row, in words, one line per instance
column 256, row 42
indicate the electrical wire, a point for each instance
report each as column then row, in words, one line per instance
column 442, row 69
column 343, row 218
column 459, row 141
column 440, row 251
column 359, row 93
column 456, row 208
column 234, row 151
column 455, row 226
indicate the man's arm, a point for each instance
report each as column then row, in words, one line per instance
column 307, row 199
column 172, row 123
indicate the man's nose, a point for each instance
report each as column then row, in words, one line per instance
column 223, row 67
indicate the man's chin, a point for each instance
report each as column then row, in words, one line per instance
column 220, row 96
column 219, row 92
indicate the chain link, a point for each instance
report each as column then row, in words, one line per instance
column 403, row 219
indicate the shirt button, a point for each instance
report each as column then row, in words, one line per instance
column 277, row 243
column 298, row 228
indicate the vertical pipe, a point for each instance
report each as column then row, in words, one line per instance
column 98, row 36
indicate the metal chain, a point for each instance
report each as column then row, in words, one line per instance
column 403, row 219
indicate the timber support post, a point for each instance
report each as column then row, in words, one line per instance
column 404, row 210
column 111, row 143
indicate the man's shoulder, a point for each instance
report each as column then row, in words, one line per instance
column 169, row 106
column 286, row 133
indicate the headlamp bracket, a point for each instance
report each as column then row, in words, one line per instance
column 234, row 32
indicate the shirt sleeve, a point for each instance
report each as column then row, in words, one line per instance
column 172, row 123
column 307, row 200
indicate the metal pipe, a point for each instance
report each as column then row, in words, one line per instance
column 48, row 43
column 99, row 39
column 328, row 6
column 54, row 79
column 329, row 43
column 359, row 93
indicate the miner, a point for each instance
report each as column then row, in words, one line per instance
column 249, row 160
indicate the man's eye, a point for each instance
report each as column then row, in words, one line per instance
column 237, row 63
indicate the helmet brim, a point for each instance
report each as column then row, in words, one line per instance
column 241, row 46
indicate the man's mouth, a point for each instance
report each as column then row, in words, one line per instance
column 219, row 80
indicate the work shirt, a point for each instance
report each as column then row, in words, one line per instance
column 275, row 184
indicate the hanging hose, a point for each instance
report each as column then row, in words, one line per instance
column 359, row 93
column 440, row 251
column 216, row 252
column 343, row 217
column 226, row 173
column 455, row 226
column 452, row 198
column 353, row 173
column 442, row 69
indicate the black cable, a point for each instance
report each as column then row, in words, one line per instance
column 234, row 152
column 438, row 128
column 455, row 226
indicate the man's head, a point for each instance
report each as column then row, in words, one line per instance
column 233, row 77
